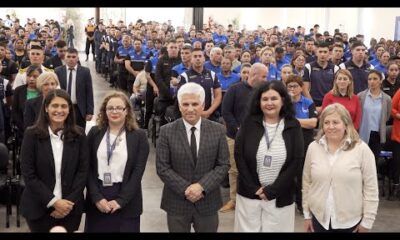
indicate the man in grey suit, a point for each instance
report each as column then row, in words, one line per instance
column 192, row 172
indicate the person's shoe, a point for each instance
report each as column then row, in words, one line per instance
column 229, row 206
column 87, row 58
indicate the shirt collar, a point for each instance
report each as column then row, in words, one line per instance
column 324, row 143
column 188, row 126
column 53, row 135
column 370, row 94
column 75, row 68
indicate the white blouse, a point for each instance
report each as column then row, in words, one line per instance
column 118, row 159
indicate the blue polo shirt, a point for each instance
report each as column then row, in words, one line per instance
column 219, row 39
column 209, row 66
column 227, row 81
column 381, row 68
column 302, row 108
column 137, row 59
column 179, row 69
column 207, row 79
column 360, row 74
column 288, row 57
column 320, row 79
column 273, row 73
column 237, row 69
column 280, row 63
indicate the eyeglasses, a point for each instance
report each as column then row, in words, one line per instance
column 292, row 86
column 118, row 109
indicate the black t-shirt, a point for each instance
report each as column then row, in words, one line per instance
column 9, row 68
column 390, row 89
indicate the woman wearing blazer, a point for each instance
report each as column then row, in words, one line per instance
column 376, row 108
column 118, row 154
column 24, row 93
column 54, row 164
column 268, row 148
column 44, row 83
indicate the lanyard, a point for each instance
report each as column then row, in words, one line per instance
column 111, row 148
column 267, row 137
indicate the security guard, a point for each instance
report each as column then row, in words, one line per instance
column 122, row 52
column 8, row 68
column 134, row 62
column 36, row 57
column 89, row 30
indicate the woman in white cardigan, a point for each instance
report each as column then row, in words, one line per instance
column 340, row 186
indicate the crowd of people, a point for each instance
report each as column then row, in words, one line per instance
column 294, row 119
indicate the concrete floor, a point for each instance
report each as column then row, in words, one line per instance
column 154, row 219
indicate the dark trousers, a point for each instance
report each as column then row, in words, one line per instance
column 123, row 81
column 395, row 163
column 319, row 228
column 375, row 144
column 80, row 120
column 200, row 223
column 44, row 224
column 162, row 108
column 88, row 44
column 149, row 105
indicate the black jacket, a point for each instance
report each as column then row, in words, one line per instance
column 32, row 110
column 18, row 106
column 163, row 75
column 246, row 146
column 130, row 195
column 37, row 167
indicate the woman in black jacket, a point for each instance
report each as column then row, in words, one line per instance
column 118, row 154
column 268, row 147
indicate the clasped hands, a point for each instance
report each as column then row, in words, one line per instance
column 105, row 206
column 261, row 194
column 194, row 192
column 62, row 208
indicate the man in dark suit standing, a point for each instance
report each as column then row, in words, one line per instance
column 192, row 160
column 77, row 81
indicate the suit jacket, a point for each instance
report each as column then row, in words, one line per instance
column 18, row 106
column 246, row 147
column 84, row 88
column 176, row 168
column 130, row 195
column 38, row 170
column 53, row 62
column 32, row 110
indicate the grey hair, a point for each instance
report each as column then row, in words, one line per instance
column 191, row 88
column 215, row 49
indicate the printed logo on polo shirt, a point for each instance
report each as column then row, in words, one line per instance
column 315, row 69
column 305, row 110
column 192, row 76
column 350, row 68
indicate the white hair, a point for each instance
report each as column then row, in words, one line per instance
column 215, row 49
column 191, row 88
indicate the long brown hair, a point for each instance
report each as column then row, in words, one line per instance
column 130, row 119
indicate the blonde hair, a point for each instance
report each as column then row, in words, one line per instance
column 350, row 131
column 350, row 88
column 45, row 77
column 130, row 119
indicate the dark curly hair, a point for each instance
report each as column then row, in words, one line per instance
column 287, row 110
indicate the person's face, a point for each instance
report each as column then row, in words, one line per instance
column 180, row 42
column 197, row 59
column 285, row 73
column 192, row 34
column 358, row 53
column 217, row 56
column 385, row 58
column 191, row 108
column 57, row 111
column 55, row 31
column 226, row 65
column 197, row 44
column 244, row 73
column 36, row 56
column 342, row 81
column 266, row 57
column 379, row 51
column 61, row 52
column 273, row 39
column 2, row 52
column 323, row 54
column 246, row 57
column 209, row 46
column 301, row 40
column 279, row 56
column 374, row 81
column 150, row 43
column 32, row 79
column 137, row 45
column 48, row 85
column 19, row 45
column 172, row 50
column 334, row 128
column 337, row 52
column 116, row 111
column 126, row 41
column 299, row 62
column 71, row 59
column 259, row 76
column 50, row 42
column 393, row 71
column 294, row 89
column 186, row 55
column 8, row 54
column 271, row 103
column 230, row 53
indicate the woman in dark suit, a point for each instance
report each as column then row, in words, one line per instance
column 44, row 83
column 54, row 164
column 268, row 148
column 24, row 93
column 118, row 153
